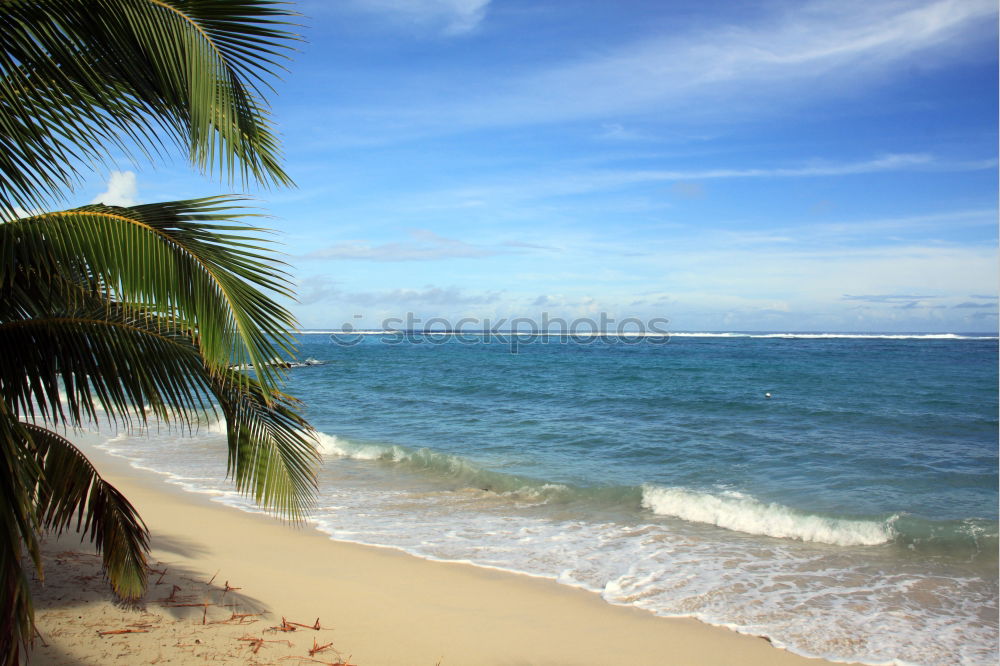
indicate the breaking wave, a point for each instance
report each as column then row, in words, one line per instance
column 742, row 513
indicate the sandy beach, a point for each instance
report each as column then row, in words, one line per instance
column 224, row 583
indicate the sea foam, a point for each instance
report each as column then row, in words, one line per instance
column 331, row 445
column 542, row 334
column 742, row 513
column 837, row 336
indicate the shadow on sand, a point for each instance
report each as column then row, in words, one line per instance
column 80, row 621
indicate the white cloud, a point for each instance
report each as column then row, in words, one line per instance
column 21, row 212
column 912, row 287
column 425, row 246
column 888, row 231
column 774, row 64
column 429, row 295
column 969, row 304
column 825, row 276
column 812, row 50
column 450, row 17
column 316, row 289
column 884, row 163
column 955, row 219
column 121, row 190
column 686, row 189
column 539, row 186
column 884, row 298
column 819, row 39
column 319, row 289
column 618, row 132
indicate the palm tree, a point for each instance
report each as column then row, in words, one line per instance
column 138, row 313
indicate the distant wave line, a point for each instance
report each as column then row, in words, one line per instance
column 647, row 334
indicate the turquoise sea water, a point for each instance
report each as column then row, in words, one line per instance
column 851, row 515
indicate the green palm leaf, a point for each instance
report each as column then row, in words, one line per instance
column 185, row 261
column 100, row 358
column 272, row 450
column 71, row 490
column 19, row 524
column 78, row 75
column 46, row 483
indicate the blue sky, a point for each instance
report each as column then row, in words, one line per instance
column 781, row 166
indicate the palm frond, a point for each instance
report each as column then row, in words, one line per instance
column 188, row 262
column 19, row 475
column 71, row 491
column 79, row 75
column 17, row 626
column 103, row 358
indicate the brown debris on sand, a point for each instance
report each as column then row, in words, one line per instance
column 78, row 620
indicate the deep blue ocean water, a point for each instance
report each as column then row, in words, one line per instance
column 852, row 514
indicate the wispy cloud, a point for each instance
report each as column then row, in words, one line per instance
column 885, row 298
column 878, row 232
column 579, row 182
column 429, row 295
column 321, row 289
column 688, row 190
column 908, row 288
column 618, row 132
column 865, row 276
column 528, row 246
column 425, row 246
column 919, row 305
column 845, row 42
column 954, row 219
column 317, row 289
column 21, row 212
column 716, row 73
column 971, row 305
column 122, row 190
column 447, row 17
column 820, row 168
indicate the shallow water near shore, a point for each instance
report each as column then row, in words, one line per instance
column 852, row 515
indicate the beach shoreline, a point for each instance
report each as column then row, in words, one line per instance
column 375, row 605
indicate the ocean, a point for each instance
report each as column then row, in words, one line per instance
column 836, row 494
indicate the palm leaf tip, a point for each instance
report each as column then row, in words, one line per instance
column 273, row 452
column 71, row 491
